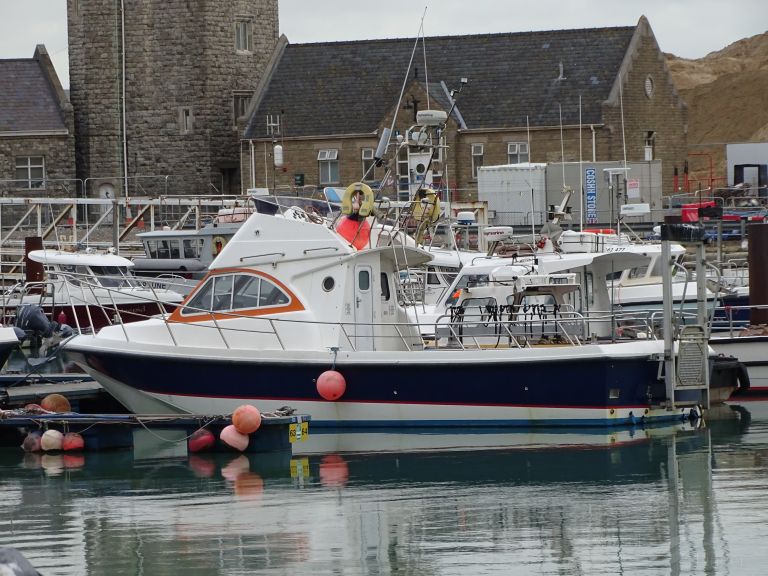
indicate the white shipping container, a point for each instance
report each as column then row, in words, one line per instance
column 513, row 192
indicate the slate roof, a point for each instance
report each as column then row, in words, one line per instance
column 28, row 103
column 348, row 87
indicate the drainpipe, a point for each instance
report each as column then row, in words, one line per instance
column 253, row 163
column 594, row 143
column 125, row 136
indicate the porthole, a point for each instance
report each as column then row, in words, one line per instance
column 328, row 283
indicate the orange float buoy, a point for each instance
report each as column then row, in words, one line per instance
column 72, row 441
column 202, row 439
column 32, row 442
column 356, row 232
column 51, row 440
column 56, row 403
column 234, row 439
column 331, row 385
column 246, row 419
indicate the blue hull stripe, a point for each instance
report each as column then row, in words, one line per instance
column 588, row 383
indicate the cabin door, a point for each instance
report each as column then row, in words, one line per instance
column 363, row 307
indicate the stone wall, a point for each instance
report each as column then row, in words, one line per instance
column 58, row 152
column 180, row 61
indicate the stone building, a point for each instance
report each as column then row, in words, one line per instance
column 597, row 94
column 37, row 143
column 157, row 88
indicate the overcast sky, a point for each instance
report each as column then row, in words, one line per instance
column 688, row 28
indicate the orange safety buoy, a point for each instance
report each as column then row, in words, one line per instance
column 331, row 385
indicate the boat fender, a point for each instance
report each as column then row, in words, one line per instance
column 742, row 375
column 201, row 439
column 234, row 439
column 246, row 419
column 51, row 440
column 541, row 243
column 72, row 441
column 331, row 385
column 351, row 197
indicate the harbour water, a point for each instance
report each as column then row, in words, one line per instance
column 682, row 500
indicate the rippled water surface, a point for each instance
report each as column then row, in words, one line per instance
column 676, row 500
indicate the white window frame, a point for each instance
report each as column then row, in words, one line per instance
column 327, row 159
column 367, row 158
column 243, row 35
column 516, row 151
column 273, row 124
column 26, row 164
column 478, row 151
column 186, row 120
column 237, row 98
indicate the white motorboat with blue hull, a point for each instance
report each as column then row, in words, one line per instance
column 428, row 388
column 288, row 299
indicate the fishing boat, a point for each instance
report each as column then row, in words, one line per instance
column 177, row 259
column 87, row 290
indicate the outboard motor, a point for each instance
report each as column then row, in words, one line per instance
column 44, row 335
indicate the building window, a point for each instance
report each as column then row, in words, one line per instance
column 328, row 161
column 30, row 172
column 517, row 152
column 243, row 35
column 477, row 159
column 186, row 120
column 273, row 124
column 240, row 102
column 369, row 164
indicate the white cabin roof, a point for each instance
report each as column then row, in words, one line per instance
column 60, row 257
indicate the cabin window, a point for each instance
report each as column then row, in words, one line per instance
column 517, row 152
column 222, row 293
column 193, row 247
column 201, row 301
column 433, row 278
column 363, row 280
column 448, row 273
column 235, row 292
column 111, row 276
column 174, row 247
column 638, row 272
column 385, row 295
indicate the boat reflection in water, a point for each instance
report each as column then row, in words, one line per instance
column 512, row 502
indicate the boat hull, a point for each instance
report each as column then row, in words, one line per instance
column 428, row 388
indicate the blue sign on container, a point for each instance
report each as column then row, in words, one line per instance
column 590, row 178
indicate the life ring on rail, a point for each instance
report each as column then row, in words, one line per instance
column 600, row 230
column 365, row 204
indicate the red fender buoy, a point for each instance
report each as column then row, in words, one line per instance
column 202, row 439
column 246, row 419
column 72, row 441
column 331, row 385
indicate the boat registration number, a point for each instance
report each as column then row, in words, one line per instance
column 298, row 432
